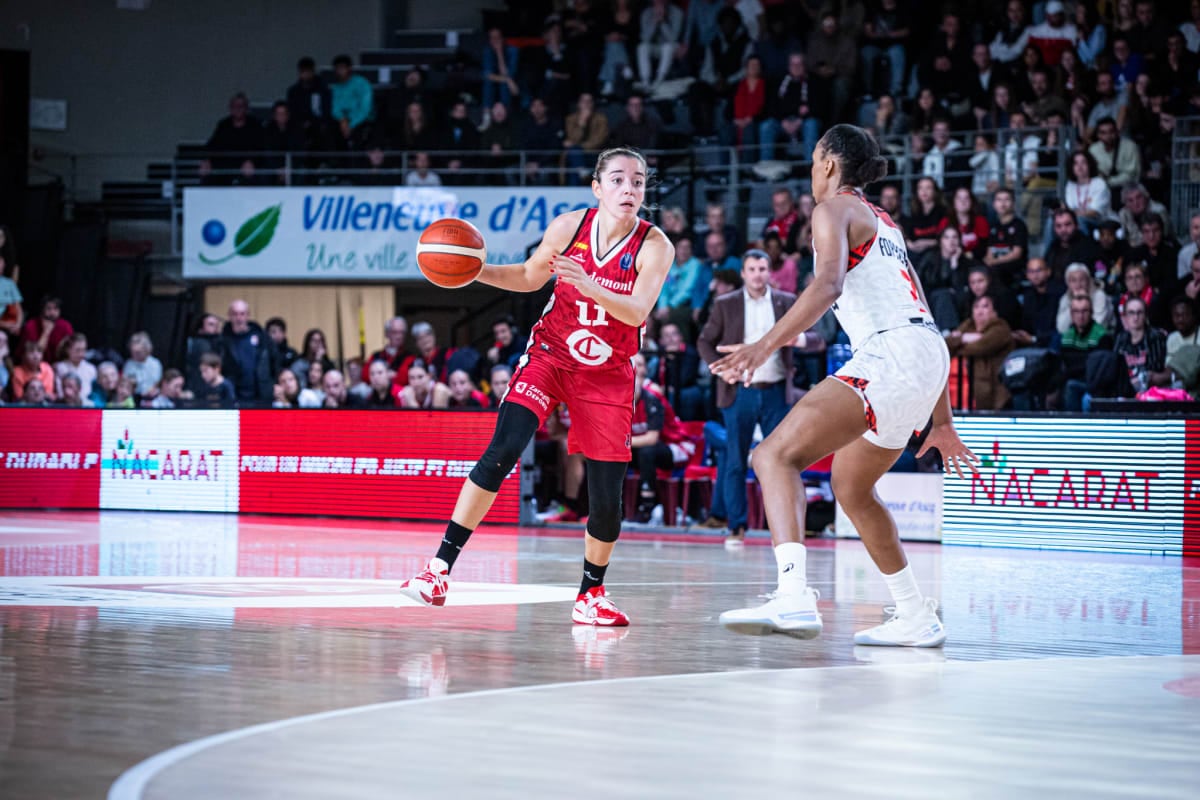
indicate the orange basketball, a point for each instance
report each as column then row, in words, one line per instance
column 451, row 252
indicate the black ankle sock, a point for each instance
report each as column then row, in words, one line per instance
column 592, row 576
column 452, row 543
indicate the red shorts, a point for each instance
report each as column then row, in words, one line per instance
column 600, row 402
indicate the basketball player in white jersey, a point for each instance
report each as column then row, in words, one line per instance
column 866, row 412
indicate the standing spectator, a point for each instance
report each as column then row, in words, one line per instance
column 32, row 368
column 795, row 107
column 247, row 355
column 380, row 381
column 1079, row 281
column 352, row 98
column 284, row 353
column 1008, row 240
column 206, row 339
column 676, row 370
column 972, row 226
column 499, row 379
column 834, row 61
column 463, row 393
column 142, row 366
column 281, row 136
column 1083, row 337
column 1086, row 193
column 435, row 359
column 885, row 33
column 1188, row 252
column 927, row 218
column 987, row 340
column 170, row 392
column 1039, row 306
column 1159, row 253
column 73, row 361
column 584, row 134
column 423, row 389
column 661, row 32
column 509, row 345
column 1069, row 246
column 743, row 318
column 314, row 351
column 241, row 136
column 1136, row 208
column 636, row 128
column 1117, row 158
column 310, row 105
column 216, row 391
column 540, row 137
column 105, row 388
column 394, row 352
column 48, row 328
column 500, row 70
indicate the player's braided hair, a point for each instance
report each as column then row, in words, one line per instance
column 858, row 153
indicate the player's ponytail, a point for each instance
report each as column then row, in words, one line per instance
column 858, row 153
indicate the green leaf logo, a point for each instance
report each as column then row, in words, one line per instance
column 254, row 235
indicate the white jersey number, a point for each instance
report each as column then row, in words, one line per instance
column 585, row 318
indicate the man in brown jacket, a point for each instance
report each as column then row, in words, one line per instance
column 743, row 317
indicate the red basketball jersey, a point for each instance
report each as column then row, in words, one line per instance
column 576, row 331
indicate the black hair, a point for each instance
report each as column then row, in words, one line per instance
column 1154, row 219
column 729, row 276
column 858, row 153
column 506, row 319
column 8, row 251
column 754, row 252
column 49, row 299
column 343, row 59
column 275, row 321
column 306, row 63
column 1183, row 300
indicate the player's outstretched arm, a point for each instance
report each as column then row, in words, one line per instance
column 653, row 263
column 533, row 274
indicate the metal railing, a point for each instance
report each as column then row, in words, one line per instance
column 1185, row 173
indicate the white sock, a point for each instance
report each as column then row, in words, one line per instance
column 791, row 560
column 908, row 598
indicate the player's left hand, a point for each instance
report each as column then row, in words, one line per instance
column 739, row 365
column 955, row 454
column 574, row 274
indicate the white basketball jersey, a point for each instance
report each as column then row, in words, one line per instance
column 878, row 294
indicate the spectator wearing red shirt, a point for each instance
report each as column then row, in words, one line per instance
column 786, row 222
column 970, row 223
column 48, row 328
column 393, row 354
column 749, row 103
column 434, row 358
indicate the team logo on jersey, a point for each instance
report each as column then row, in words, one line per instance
column 589, row 349
column 626, row 260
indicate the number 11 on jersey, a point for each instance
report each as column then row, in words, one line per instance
column 585, row 318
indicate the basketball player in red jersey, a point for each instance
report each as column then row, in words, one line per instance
column 610, row 266
column 866, row 412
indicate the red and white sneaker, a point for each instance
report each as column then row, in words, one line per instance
column 430, row 586
column 594, row 608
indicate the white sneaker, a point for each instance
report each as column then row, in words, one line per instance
column 429, row 587
column 922, row 630
column 791, row 614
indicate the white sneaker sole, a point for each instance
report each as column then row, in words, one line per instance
column 868, row 641
column 762, row 627
column 422, row 598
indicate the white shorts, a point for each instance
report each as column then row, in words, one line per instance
column 900, row 375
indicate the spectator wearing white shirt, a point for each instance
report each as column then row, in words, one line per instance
column 421, row 174
column 72, row 361
column 934, row 164
column 1086, row 193
column 145, row 370
column 1191, row 28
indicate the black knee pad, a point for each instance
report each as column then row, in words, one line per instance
column 606, row 483
column 515, row 426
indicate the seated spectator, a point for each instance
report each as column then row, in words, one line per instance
column 659, row 441
column 985, row 166
column 241, row 137
column 421, row 174
column 393, row 353
column 460, row 135
column 73, row 361
column 32, row 367
column 33, row 393
column 1159, row 253
column 1184, row 329
column 1086, row 193
column 509, row 344
column 11, row 313
column 584, row 134
column 675, row 300
column 620, row 30
column 980, row 284
column 463, row 392
column 886, row 29
column 380, row 380
column 280, row 137
column 715, row 220
column 314, row 351
column 1188, row 252
column 749, row 106
column 124, row 396
column 1069, row 246
column 170, row 393
column 9, row 268
column 206, row 339
column 1114, row 252
column 1079, row 281
column 710, row 96
column 539, row 136
column 636, row 128
column 310, row 105
column 284, row 354
column 1012, row 34
column 499, row 379
column 217, row 392
column 676, row 371
column 500, row 70
column 423, row 389
column 833, row 59
column 972, row 226
column 105, row 388
column 785, row 272
column 5, row 374
column 247, row 356
column 286, row 393
column 1082, row 338
column 357, row 388
column 436, row 359
column 142, row 366
column 1044, row 102
column 986, row 339
column 926, row 219
column 943, row 275
column 549, row 73
column 785, row 221
column 1137, row 206
column 1189, row 285
column 724, row 281
column 1137, row 285
column 48, row 328
column 1039, row 306
column 72, row 395
column 498, row 138
column 351, row 98
column 716, row 258
column 1117, row 159
column 1143, row 349
column 661, row 31
column 1109, row 105
column 1008, row 240
column 336, row 393
column 937, row 162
